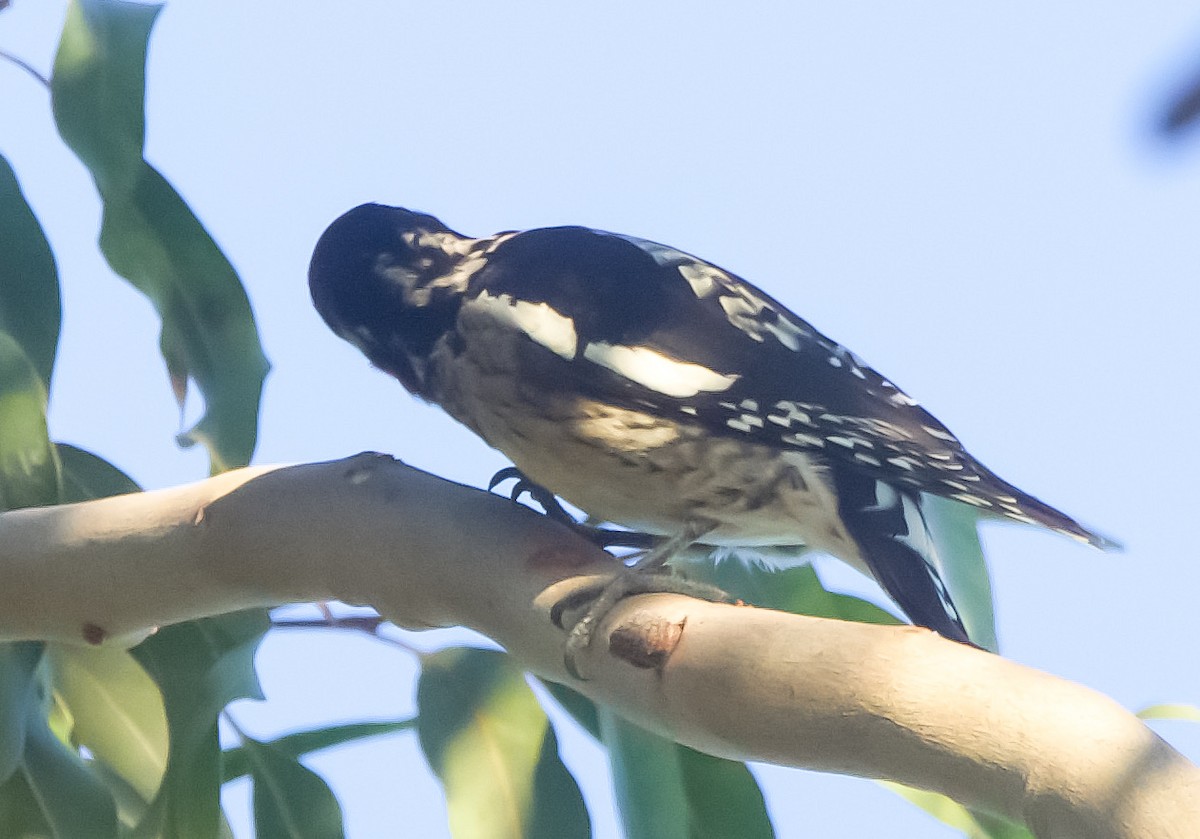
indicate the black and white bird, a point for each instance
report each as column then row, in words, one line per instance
column 654, row 390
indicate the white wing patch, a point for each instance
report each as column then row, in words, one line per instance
column 656, row 371
column 745, row 311
column 702, row 278
column 542, row 323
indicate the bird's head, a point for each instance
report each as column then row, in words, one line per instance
column 389, row 281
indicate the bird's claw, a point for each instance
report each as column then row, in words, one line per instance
column 599, row 536
column 648, row 575
column 544, row 497
column 606, row 595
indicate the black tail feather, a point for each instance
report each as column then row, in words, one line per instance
column 895, row 545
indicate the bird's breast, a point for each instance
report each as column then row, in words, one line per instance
column 638, row 469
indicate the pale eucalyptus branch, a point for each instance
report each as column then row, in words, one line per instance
column 740, row 682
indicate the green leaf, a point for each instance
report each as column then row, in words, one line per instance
column 29, row 468
column 490, row 743
column 306, row 742
column 148, row 233
column 577, row 705
column 20, row 813
column 117, row 710
column 290, row 800
column 723, row 798
column 668, row 790
column 955, row 530
column 558, row 809
column 950, row 812
column 86, row 476
column 98, row 87
column 200, row 667
column 49, row 791
column 30, row 308
column 20, row 688
column 797, row 589
column 73, row 800
column 647, row 780
column 1170, row 711
column 132, row 806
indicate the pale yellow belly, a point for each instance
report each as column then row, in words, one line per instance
column 638, row 471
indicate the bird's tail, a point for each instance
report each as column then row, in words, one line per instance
column 1012, row 503
column 895, row 544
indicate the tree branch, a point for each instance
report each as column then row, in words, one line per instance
column 882, row 702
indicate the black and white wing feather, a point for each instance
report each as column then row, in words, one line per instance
column 661, row 331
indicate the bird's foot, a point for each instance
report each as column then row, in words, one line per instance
column 648, row 575
column 600, row 536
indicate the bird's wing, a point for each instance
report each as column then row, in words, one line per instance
column 649, row 327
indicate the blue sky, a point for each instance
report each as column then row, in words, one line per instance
column 967, row 195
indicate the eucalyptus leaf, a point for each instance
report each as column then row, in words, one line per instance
column 955, row 530
column 647, row 780
column 200, row 667
column 797, row 589
column 305, row 742
column 117, row 711
column 950, row 812
column 1170, row 711
column 667, row 789
column 290, row 801
column 21, row 815
column 30, row 308
column 491, row 745
column 29, row 469
column 723, row 798
column 20, row 686
column 577, row 705
column 74, row 801
column 149, row 235
column 86, row 476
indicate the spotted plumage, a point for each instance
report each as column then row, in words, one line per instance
column 655, row 390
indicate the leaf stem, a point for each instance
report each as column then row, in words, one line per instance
column 26, row 66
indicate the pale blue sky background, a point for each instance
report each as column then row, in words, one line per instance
column 968, row 195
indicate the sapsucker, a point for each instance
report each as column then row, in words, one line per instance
column 654, row 390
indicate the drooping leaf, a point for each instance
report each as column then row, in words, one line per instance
column 30, row 307
column 117, row 711
column 647, row 780
column 29, row 470
column 200, row 667
column 1170, row 711
column 87, row 476
column 305, row 742
column 132, row 806
column 577, row 705
column 666, row 789
column 290, row 800
column 148, row 233
column 491, row 745
column 20, row 813
column 558, row 808
column 51, row 789
column 797, row 589
column 19, row 686
column 74, row 801
column 723, row 798
column 950, row 812
column 955, row 529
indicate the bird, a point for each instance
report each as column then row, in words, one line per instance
column 656, row 391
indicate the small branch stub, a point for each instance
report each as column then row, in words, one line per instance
column 646, row 640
